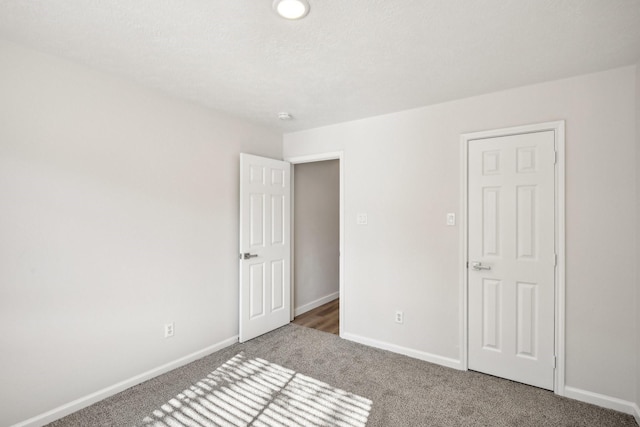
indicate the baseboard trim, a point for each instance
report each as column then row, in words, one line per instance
column 416, row 354
column 604, row 401
column 83, row 402
column 315, row 304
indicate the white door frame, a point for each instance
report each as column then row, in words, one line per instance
column 318, row 157
column 558, row 128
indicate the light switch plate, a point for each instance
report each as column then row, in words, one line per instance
column 361, row 219
column 451, row 219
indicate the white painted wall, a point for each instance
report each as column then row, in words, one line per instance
column 316, row 233
column 119, row 212
column 403, row 170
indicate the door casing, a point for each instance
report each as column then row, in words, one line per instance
column 558, row 127
column 333, row 155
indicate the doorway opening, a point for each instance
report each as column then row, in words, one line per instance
column 317, row 242
column 325, row 318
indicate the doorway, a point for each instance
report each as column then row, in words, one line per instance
column 513, row 252
column 317, row 240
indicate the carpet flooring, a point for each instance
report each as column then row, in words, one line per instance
column 403, row 391
column 259, row 393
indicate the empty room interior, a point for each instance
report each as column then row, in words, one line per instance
column 305, row 212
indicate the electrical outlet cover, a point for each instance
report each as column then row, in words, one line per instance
column 169, row 330
column 451, row 219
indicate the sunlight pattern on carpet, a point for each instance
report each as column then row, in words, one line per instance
column 255, row 392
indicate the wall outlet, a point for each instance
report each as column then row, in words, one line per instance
column 361, row 219
column 169, row 330
column 399, row 317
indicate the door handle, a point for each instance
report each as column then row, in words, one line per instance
column 478, row 266
column 247, row 255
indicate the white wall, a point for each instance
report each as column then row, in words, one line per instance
column 403, row 170
column 119, row 212
column 317, row 233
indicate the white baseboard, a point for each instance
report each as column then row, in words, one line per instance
column 83, row 402
column 317, row 303
column 604, row 401
column 416, row 354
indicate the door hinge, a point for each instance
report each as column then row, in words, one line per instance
column 555, row 260
column 555, row 157
column 555, row 358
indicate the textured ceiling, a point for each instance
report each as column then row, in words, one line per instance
column 347, row 59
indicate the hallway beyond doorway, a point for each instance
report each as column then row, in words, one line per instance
column 325, row 318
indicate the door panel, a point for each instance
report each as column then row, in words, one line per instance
column 527, row 309
column 277, row 285
column 526, row 218
column 491, row 318
column 511, row 216
column 256, row 290
column 490, row 225
column 277, row 220
column 264, row 236
column 256, row 215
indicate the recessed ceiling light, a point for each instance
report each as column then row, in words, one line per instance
column 291, row 9
column 285, row 116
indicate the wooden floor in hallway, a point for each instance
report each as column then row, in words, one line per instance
column 325, row 318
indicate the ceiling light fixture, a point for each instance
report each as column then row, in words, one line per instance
column 291, row 9
column 285, row 116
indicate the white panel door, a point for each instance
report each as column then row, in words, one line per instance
column 511, row 271
column 265, row 247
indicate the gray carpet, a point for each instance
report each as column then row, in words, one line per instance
column 404, row 391
column 259, row 393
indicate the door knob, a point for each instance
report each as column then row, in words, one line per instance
column 478, row 266
column 247, row 255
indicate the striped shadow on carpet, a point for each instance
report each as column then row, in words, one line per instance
column 255, row 392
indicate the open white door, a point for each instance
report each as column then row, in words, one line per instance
column 512, row 258
column 265, row 247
